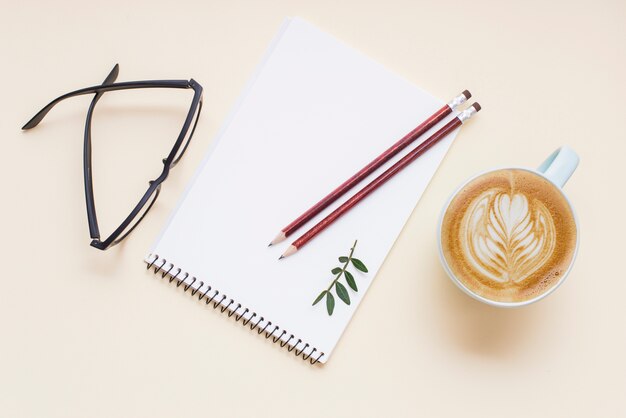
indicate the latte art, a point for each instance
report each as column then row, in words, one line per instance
column 506, row 237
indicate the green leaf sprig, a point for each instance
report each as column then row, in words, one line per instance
column 341, row 290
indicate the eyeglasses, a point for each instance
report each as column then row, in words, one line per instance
column 180, row 146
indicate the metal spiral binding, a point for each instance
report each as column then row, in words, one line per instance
column 209, row 295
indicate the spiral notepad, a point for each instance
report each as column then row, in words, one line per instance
column 313, row 114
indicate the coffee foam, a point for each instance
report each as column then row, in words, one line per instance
column 509, row 235
column 505, row 237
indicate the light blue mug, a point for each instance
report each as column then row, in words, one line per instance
column 557, row 169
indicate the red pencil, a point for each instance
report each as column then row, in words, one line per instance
column 380, row 180
column 409, row 138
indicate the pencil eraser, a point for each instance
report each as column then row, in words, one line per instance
column 467, row 94
column 476, row 106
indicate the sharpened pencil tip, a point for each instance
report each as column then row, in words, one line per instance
column 279, row 238
column 269, row 245
column 290, row 250
column 281, row 257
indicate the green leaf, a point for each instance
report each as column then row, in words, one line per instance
column 319, row 298
column 350, row 280
column 336, row 270
column 330, row 303
column 343, row 259
column 342, row 292
column 359, row 265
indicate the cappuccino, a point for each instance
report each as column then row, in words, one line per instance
column 509, row 235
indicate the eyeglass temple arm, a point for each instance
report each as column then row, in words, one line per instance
column 92, row 219
column 178, row 84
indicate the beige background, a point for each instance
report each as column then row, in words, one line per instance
column 91, row 334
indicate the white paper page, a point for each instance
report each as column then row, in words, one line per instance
column 316, row 112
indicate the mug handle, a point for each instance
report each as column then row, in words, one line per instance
column 560, row 165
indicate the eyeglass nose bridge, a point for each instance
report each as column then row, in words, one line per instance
column 164, row 174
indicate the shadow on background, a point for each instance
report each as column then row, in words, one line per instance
column 479, row 329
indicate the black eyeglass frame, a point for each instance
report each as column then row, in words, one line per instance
column 169, row 162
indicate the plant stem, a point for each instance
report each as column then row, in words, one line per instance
column 344, row 266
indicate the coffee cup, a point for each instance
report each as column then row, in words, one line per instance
column 508, row 237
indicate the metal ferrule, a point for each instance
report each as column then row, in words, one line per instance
column 457, row 101
column 466, row 114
